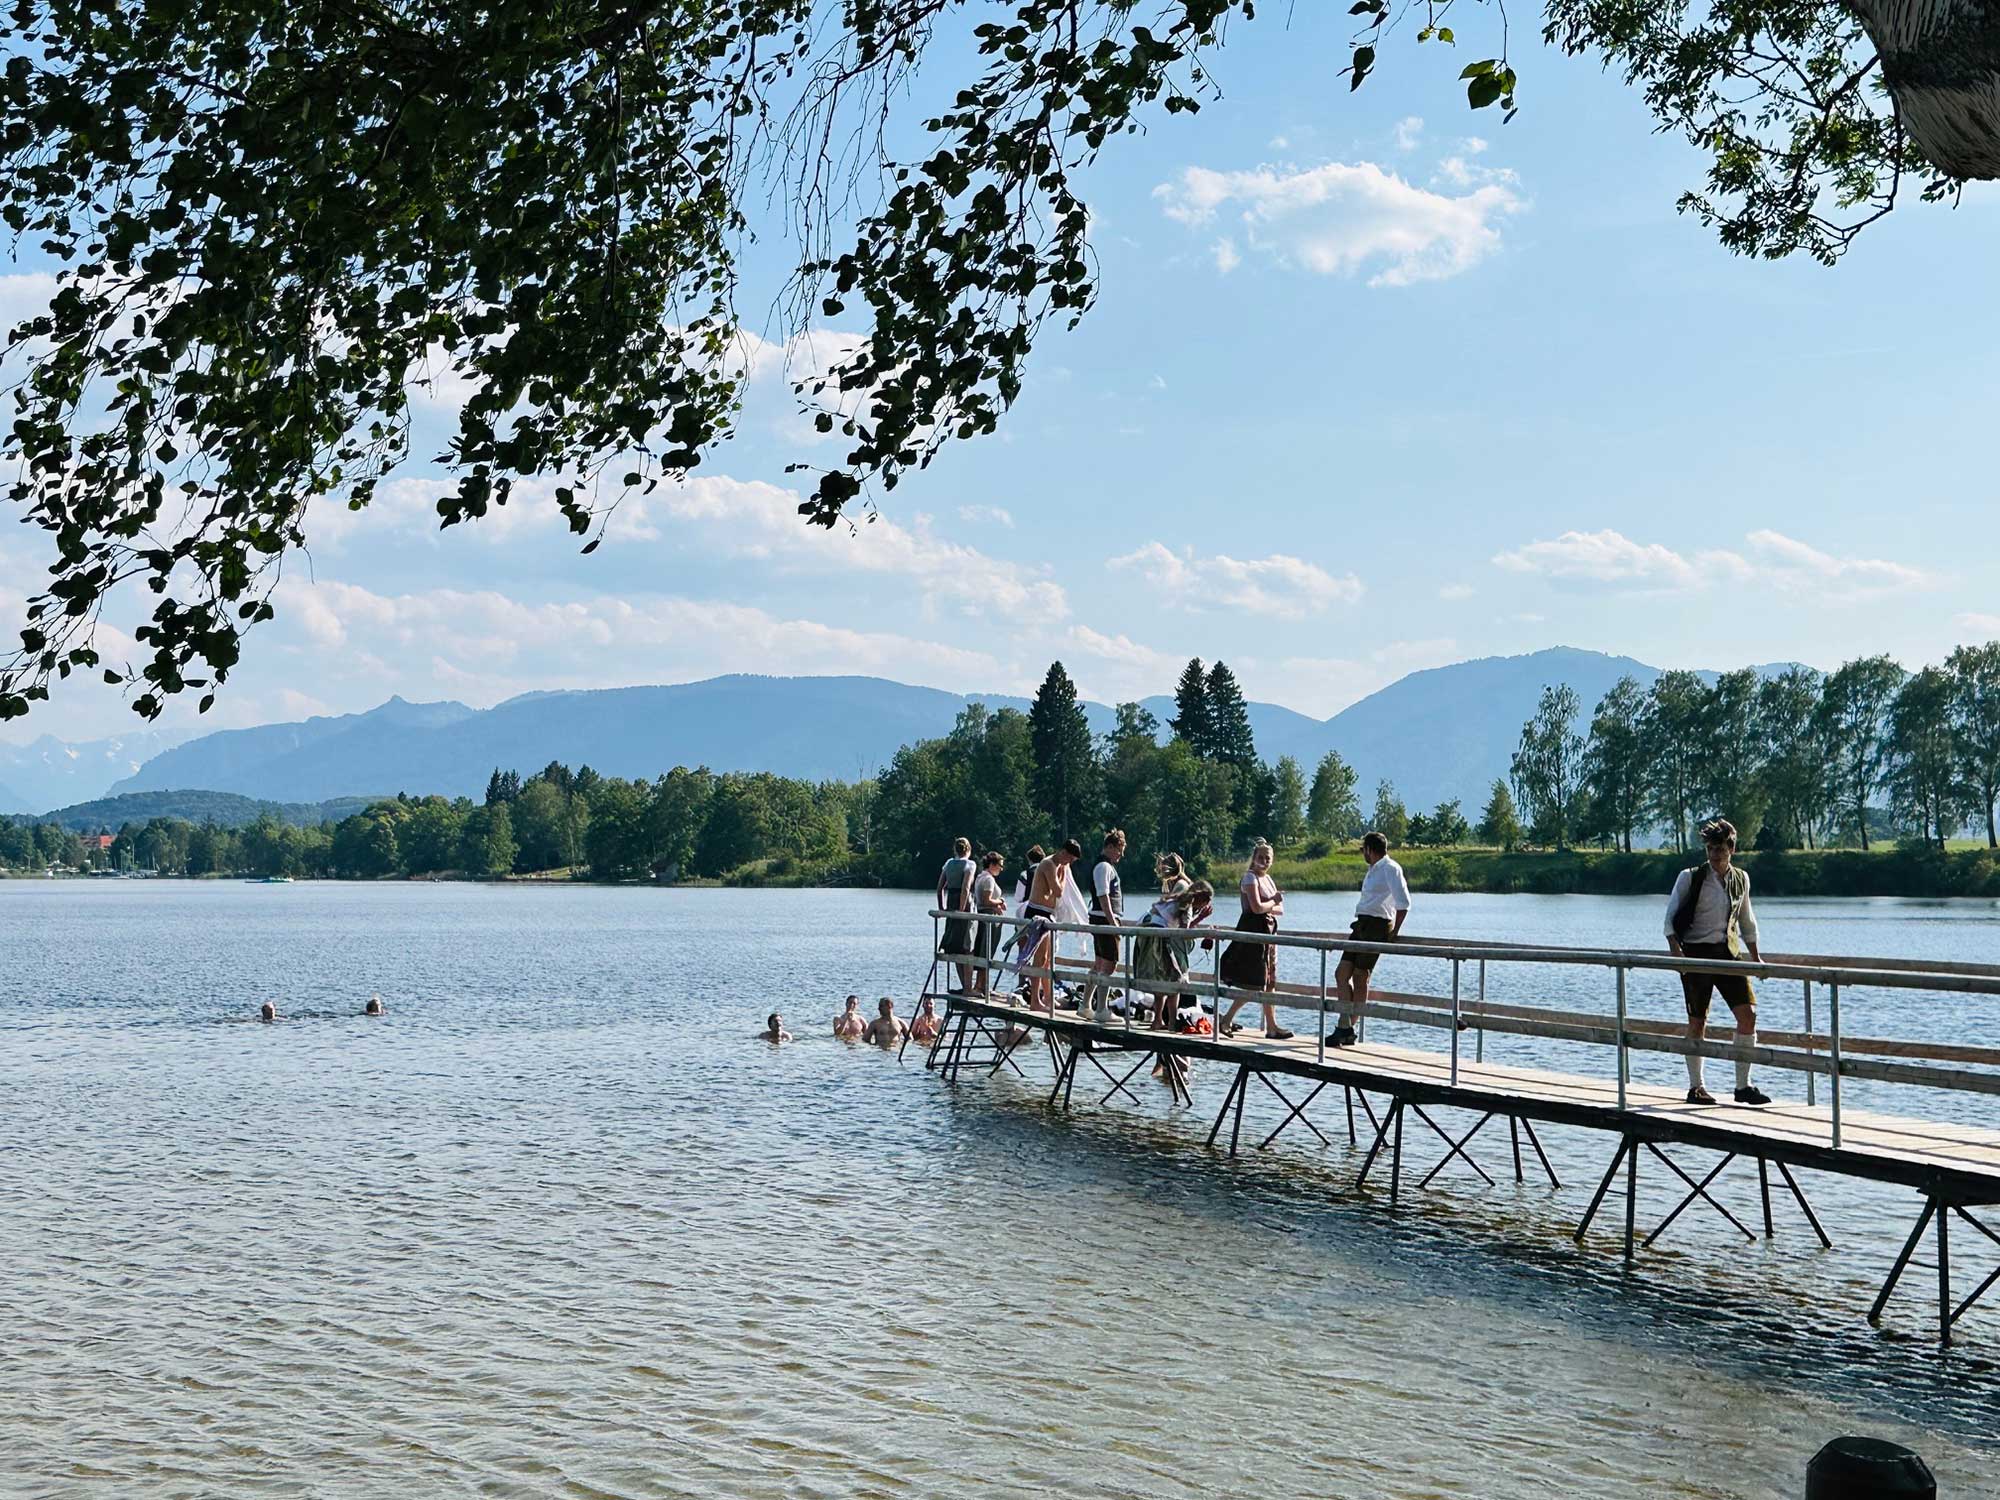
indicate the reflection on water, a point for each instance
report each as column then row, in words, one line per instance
column 556, row 1224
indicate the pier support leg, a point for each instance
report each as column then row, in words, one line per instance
column 1235, row 1089
column 1065, row 1071
column 1514, row 1131
column 1457, row 1148
column 1543, row 1156
column 1396, row 1161
column 1696, row 1190
column 1350, row 1114
column 1764, row 1191
column 1381, row 1135
column 1631, row 1198
column 1804, row 1207
column 1236, row 1128
column 951, row 1060
column 1292, row 1111
column 1626, row 1146
column 1902, row 1260
column 937, row 1042
column 1944, row 1277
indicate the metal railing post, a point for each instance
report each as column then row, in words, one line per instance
column 1833, row 1049
column 1130, row 1002
column 1454, row 1023
column 1479, row 1042
column 1322, row 1005
column 1812, row 1079
column 1624, row 1069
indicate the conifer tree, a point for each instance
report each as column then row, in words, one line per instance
column 1065, row 761
column 1191, row 722
column 1229, row 721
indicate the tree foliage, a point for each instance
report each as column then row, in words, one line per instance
column 274, row 220
column 1333, row 811
column 1547, row 769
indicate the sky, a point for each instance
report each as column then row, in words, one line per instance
column 1374, row 383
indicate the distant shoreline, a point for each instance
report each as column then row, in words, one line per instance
column 1913, row 873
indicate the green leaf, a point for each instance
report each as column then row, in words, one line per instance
column 1482, row 92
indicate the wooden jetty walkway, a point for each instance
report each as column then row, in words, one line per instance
column 1955, row 1167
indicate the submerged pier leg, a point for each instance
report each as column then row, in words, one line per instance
column 1626, row 1147
column 1804, row 1207
column 1536, row 1141
column 1631, row 1198
column 1902, row 1260
column 1235, row 1087
column 1396, row 1161
column 1381, row 1135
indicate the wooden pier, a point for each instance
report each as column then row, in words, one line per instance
column 1954, row 1167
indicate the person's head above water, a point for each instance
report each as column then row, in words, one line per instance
column 854, row 1002
column 267, row 1012
column 775, row 1021
column 885, row 1007
column 373, row 1007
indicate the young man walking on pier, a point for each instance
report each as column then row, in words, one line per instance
column 1107, row 908
column 1378, row 917
column 1709, row 916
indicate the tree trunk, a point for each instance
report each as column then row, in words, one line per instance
column 1941, row 62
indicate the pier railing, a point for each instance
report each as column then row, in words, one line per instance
column 1833, row 1053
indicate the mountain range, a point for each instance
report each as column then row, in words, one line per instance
column 1442, row 733
column 48, row 772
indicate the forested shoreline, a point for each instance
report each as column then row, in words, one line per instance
column 1803, row 763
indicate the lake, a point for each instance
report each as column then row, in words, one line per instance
column 557, row 1225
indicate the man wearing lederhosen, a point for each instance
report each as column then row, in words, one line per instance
column 1709, row 916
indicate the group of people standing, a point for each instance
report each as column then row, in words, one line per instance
column 1047, row 885
column 1709, row 916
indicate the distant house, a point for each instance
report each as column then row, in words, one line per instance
column 99, row 842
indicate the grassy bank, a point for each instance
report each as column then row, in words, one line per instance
column 1840, row 872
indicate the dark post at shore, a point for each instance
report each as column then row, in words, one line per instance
column 1859, row 1468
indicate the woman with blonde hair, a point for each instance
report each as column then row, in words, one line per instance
column 1254, row 966
column 1171, row 871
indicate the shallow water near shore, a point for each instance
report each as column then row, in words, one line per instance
column 558, row 1225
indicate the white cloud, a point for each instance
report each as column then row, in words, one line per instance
column 1982, row 627
column 1456, row 591
column 1409, row 130
column 1339, row 218
column 1227, row 258
column 1770, row 559
column 985, row 515
column 1288, row 587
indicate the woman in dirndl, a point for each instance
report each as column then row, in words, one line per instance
column 1254, row 966
column 1163, row 960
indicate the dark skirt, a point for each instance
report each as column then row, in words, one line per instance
column 957, row 930
column 986, row 938
column 1251, row 966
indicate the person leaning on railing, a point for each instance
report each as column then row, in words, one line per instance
column 1378, row 917
column 1709, row 916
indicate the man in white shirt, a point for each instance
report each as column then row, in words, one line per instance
column 1709, row 916
column 1378, row 917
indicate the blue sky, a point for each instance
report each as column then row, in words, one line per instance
column 1374, row 383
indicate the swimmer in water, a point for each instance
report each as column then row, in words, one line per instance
column 267, row 1012
column 887, row 1028
column 774, row 1030
column 849, row 1025
column 373, row 1007
column 925, row 1028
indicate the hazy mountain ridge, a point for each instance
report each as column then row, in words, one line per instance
column 224, row 809
column 1440, row 733
column 48, row 772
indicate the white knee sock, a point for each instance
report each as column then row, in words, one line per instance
column 1744, row 1042
column 1694, row 1061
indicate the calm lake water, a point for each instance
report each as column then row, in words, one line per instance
column 557, row 1225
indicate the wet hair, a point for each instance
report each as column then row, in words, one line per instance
column 1195, row 895
column 772, row 1020
column 267, row 1012
column 1072, row 848
column 1375, row 841
column 1115, row 839
column 961, row 847
column 373, row 1007
column 991, row 858
column 1719, row 831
